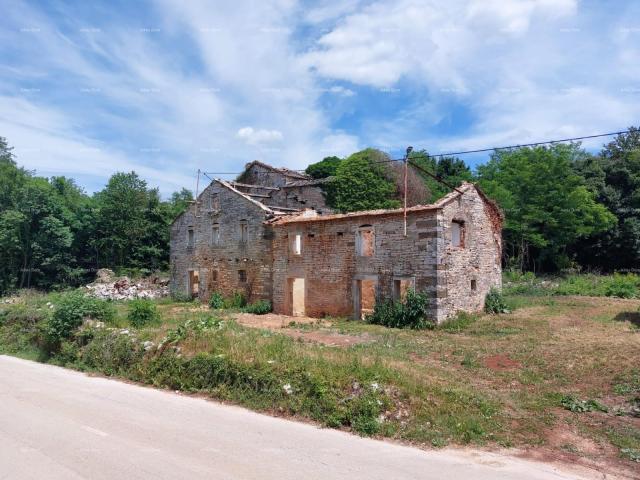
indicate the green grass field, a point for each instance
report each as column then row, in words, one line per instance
column 531, row 378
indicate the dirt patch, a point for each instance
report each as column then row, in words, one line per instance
column 320, row 330
column 500, row 363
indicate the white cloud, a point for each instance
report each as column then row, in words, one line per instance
column 260, row 136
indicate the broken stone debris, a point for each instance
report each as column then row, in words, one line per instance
column 109, row 287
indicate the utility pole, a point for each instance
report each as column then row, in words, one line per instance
column 196, row 197
column 406, row 167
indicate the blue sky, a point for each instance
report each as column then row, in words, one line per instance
column 166, row 87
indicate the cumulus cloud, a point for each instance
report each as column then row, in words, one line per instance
column 260, row 136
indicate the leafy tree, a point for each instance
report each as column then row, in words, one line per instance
column 614, row 177
column 179, row 202
column 452, row 170
column 548, row 206
column 360, row 183
column 325, row 168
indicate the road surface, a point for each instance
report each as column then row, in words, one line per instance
column 62, row 424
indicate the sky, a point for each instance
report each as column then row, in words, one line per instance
column 167, row 87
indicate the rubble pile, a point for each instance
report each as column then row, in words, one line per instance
column 108, row 287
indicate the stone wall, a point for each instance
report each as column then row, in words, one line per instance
column 300, row 197
column 473, row 268
column 219, row 264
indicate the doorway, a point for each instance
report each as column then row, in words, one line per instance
column 297, row 297
column 364, row 297
column 194, row 283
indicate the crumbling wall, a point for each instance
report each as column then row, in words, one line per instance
column 469, row 271
column 220, row 263
column 300, row 197
column 331, row 267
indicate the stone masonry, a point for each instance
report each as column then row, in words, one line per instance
column 256, row 238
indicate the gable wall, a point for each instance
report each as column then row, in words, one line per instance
column 230, row 255
column 479, row 259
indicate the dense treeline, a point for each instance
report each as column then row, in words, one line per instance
column 565, row 208
column 53, row 234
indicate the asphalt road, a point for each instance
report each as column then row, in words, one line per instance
column 61, row 424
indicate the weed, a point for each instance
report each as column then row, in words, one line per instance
column 237, row 300
column 494, row 302
column 412, row 313
column 457, row 324
column 142, row 312
column 71, row 309
column 216, row 301
column 261, row 307
column 576, row 405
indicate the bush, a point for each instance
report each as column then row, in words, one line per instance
column 216, row 301
column 260, row 307
column 412, row 313
column 71, row 309
column 623, row 286
column 142, row 312
column 494, row 302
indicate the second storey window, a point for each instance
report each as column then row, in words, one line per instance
column 365, row 241
column 296, row 244
column 215, row 234
column 214, row 200
column 244, row 231
column 457, row 234
column 191, row 237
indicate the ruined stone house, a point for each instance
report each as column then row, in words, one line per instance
column 271, row 236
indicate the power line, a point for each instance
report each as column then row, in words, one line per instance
column 466, row 152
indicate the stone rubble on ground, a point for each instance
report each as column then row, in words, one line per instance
column 108, row 287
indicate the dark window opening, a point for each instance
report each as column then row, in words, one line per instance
column 474, row 285
column 242, row 276
column 190, row 237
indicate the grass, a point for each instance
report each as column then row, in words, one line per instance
column 563, row 358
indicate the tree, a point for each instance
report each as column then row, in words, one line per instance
column 121, row 222
column 360, row 183
column 179, row 202
column 452, row 170
column 547, row 205
column 614, row 177
column 325, row 168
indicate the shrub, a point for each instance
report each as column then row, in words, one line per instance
column 142, row 312
column 412, row 313
column 71, row 309
column 623, row 286
column 494, row 302
column 216, row 301
column 260, row 307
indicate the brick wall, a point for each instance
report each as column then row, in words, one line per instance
column 331, row 267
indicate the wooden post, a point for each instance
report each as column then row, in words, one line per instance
column 196, row 197
column 406, row 168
